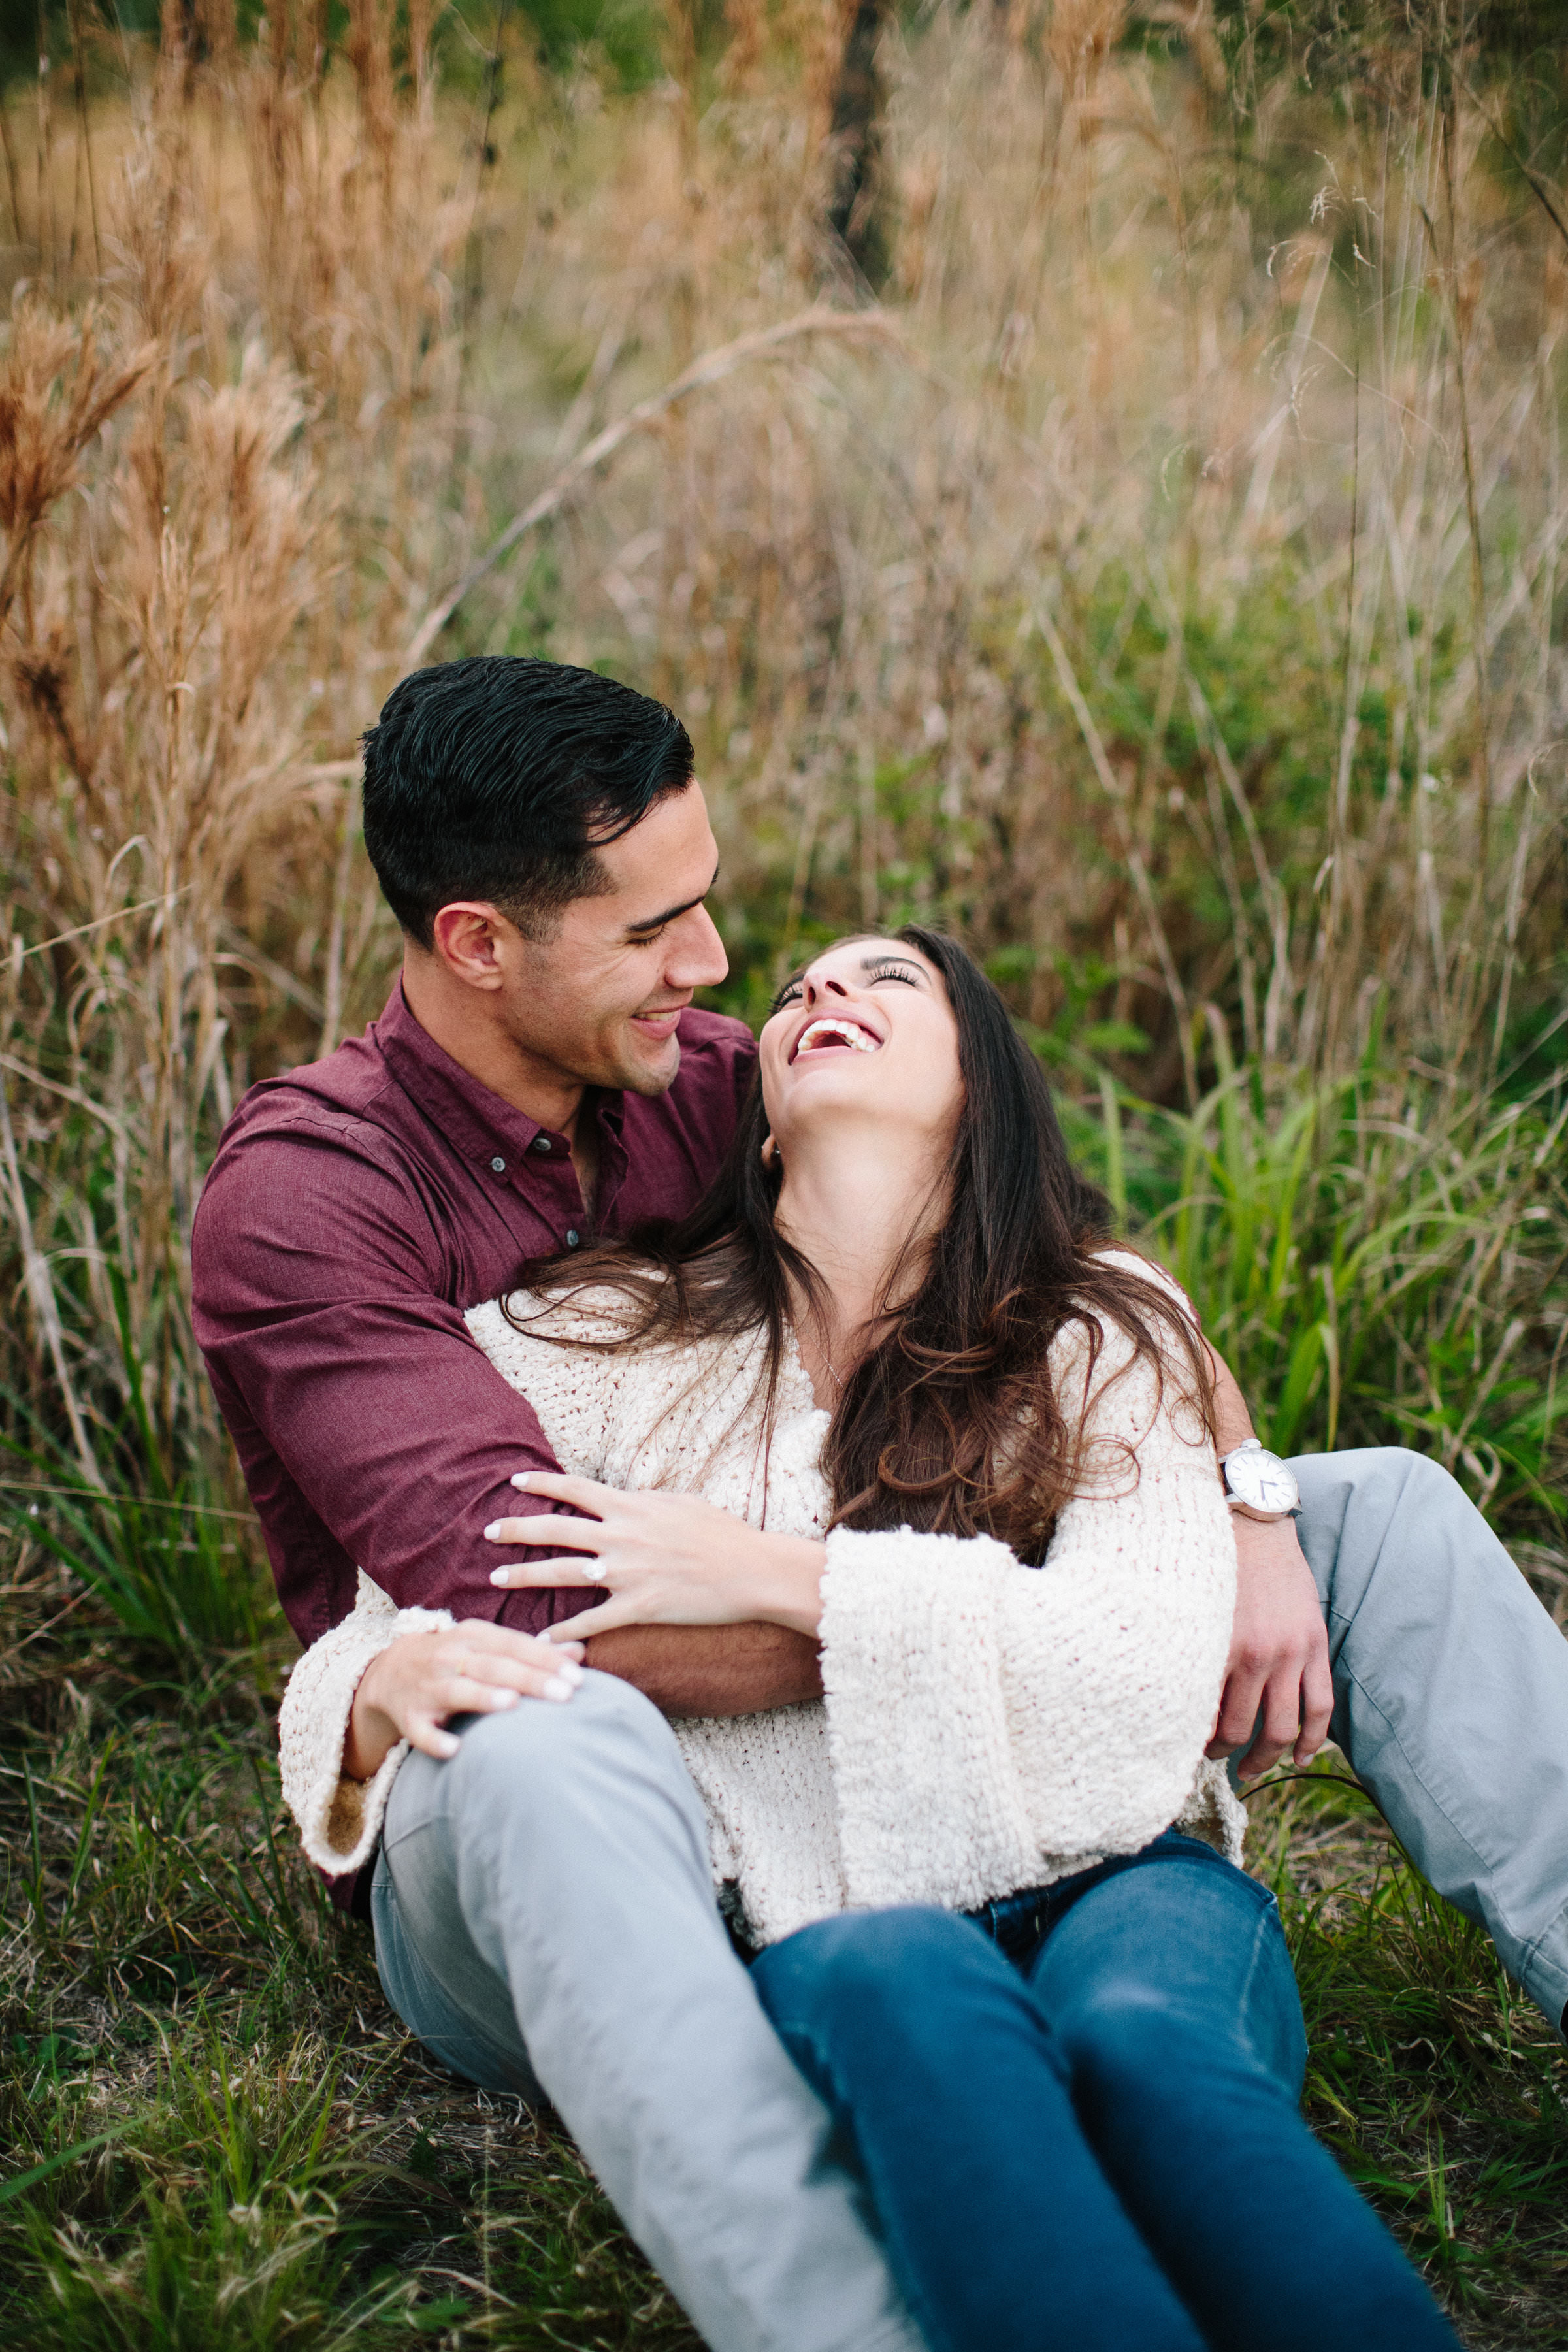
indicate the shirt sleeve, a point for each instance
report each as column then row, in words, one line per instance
column 317, row 1309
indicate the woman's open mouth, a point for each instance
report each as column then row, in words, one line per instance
column 835, row 1033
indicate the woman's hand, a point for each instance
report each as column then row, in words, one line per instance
column 664, row 1559
column 409, row 1689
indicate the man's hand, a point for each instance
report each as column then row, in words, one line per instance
column 1279, row 1664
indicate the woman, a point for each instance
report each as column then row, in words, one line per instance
column 993, row 1880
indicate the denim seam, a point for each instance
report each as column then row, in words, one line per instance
column 1253, row 1963
column 1252, row 1960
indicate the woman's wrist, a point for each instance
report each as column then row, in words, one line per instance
column 791, row 1586
column 372, row 1733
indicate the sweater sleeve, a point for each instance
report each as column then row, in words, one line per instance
column 339, row 1820
column 988, row 1719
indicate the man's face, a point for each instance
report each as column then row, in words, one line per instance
column 598, row 1001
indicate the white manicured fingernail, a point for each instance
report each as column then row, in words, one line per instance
column 504, row 1698
column 558, row 1687
column 500, row 1576
column 445, row 1744
column 523, row 1478
column 492, row 1533
column 568, row 1670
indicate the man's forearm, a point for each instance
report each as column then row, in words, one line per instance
column 712, row 1669
column 1233, row 1423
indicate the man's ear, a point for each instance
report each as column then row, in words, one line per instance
column 467, row 937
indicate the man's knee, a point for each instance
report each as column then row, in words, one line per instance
column 601, row 1705
column 1385, row 1513
column 1409, row 1481
column 1382, row 1479
column 538, row 1744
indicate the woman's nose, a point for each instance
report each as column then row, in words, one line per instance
column 821, row 984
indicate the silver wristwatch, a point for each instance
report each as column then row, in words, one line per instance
column 1257, row 1485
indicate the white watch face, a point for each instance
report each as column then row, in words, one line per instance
column 1261, row 1481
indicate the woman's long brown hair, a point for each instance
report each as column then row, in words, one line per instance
column 949, row 1422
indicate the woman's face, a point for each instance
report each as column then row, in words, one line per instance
column 864, row 1029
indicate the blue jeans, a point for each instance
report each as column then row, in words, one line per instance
column 1077, row 2115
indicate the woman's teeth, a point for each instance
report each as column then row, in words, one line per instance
column 842, row 1033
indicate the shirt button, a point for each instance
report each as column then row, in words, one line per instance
column 541, row 1143
column 499, row 1165
column 571, row 1237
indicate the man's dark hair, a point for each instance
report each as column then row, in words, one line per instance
column 498, row 778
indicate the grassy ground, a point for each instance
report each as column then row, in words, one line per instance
column 218, row 2136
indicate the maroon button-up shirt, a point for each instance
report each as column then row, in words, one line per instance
column 355, row 1209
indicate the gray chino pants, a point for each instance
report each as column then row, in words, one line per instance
column 1450, row 1696
column 544, row 1914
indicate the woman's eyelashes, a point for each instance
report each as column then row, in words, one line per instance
column 793, row 990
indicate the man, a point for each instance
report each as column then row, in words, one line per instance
column 542, row 1906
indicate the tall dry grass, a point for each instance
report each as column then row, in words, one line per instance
column 1161, row 582
column 231, row 456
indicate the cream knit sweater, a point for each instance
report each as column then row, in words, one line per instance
column 987, row 1726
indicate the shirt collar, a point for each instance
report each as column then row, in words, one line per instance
column 472, row 1119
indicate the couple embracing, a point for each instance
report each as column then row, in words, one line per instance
column 778, row 1585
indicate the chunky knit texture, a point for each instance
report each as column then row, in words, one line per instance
column 339, row 1820
column 985, row 1725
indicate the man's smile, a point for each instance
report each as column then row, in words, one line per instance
column 659, row 1025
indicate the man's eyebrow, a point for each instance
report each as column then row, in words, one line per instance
column 657, row 922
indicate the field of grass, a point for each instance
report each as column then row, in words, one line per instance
column 217, row 2135
column 1121, row 517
